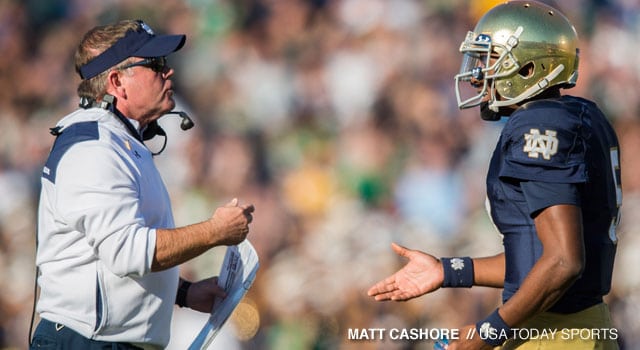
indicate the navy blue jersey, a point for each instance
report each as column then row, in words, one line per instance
column 557, row 151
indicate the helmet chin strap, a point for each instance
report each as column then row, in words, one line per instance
column 541, row 85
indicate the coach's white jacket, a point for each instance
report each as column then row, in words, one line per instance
column 102, row 199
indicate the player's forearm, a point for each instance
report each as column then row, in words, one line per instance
column 489, row 271
column 178, row 245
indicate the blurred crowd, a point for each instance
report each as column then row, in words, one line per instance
column 338, row 120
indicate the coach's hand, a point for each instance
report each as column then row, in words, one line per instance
column 202, row 294
column 230, row 223
column 422, row 274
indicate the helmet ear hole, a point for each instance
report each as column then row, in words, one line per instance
column 527, row 70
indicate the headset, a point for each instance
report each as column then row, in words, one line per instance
column 152, row 130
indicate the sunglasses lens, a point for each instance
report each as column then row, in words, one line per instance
column 159, row 64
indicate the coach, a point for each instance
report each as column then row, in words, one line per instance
column 107, row 247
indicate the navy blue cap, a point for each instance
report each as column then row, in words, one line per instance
column 135, row 43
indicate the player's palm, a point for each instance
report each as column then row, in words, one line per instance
column 422, row 274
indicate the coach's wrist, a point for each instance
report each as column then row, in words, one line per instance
column 214, row 232
column 458, row 272
column 181, row 296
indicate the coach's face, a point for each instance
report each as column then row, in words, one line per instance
column 146, row 91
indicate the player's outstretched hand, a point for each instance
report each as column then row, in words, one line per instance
column 422, row 274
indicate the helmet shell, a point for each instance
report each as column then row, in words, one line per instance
column 547, row 40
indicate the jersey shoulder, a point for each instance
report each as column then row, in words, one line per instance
column 543, row 141
column 76, row 133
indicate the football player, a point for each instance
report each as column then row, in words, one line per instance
column 553, row 189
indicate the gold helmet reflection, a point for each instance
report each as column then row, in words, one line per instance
column 517, row 50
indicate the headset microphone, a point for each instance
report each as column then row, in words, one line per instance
column 187, row 123
column 154, row 128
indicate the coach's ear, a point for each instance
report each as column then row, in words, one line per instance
column 115, row 86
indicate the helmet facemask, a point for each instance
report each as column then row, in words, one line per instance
column 484, row 62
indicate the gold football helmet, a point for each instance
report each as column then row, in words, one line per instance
column 517, row 50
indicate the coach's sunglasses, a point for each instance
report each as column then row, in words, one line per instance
column 157, row 64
